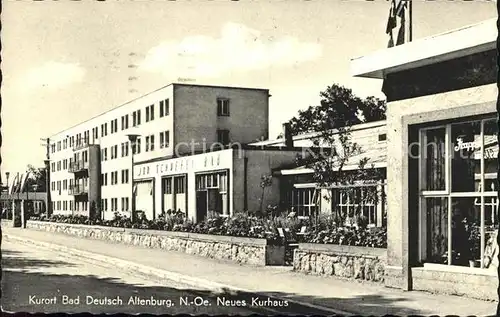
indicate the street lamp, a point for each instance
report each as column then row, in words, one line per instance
column 133, row 139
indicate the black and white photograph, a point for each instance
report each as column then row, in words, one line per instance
column 260, row 157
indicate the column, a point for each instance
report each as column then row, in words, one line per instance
column 23, row 213
column 397, row 269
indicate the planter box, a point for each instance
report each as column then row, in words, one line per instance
column 239, row 249
column 350, row 262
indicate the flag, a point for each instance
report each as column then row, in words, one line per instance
column 397, row 12
column 12, row 185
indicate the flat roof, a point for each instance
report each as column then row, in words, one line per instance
column 310, row 135
column 456, row 43
column 151, row 92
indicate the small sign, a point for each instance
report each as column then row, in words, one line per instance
column 461, row 145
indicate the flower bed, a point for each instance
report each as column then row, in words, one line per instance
column 253, row 251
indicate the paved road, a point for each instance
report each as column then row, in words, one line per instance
column 36, row 279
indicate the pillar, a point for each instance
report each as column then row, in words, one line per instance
column 16, row 214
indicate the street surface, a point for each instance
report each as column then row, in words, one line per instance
column 36, row 279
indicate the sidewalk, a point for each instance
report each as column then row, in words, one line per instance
column 350, row 296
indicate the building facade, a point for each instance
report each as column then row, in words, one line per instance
column 365, row 197
column 91, row 163
column 442, row 152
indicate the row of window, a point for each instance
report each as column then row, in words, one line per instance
column 164, row 110
column 71, row 205
column 125, row 178
column 82, row 139
column 136, row 147
column 368, row 201
column 66, row 184
column 67, row 163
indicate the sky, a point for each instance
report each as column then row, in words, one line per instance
column 64, row 61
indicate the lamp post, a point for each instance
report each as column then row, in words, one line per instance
column 35, row 188
column 133, row 139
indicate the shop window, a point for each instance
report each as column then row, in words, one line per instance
column 179, row 183
column 167, row 185
column 459, row 216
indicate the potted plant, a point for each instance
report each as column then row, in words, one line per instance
column 473, row 242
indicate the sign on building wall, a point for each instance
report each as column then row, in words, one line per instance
column 195, row 163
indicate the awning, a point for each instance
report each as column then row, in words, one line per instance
column 377, row 159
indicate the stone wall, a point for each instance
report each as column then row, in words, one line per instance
column 242, row 250
column 343, row 261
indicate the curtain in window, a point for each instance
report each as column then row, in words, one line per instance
column 435, row 159
column 437, row 230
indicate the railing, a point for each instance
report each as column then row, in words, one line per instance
column 78, row 166
column 78, row 189
column 82, row 144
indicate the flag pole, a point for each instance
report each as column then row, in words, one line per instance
column 410, row 20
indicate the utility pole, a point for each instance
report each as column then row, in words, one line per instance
column 48, row 201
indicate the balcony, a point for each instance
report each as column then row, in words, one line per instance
column 82, row 144
column 78, row 166
column 78, row 189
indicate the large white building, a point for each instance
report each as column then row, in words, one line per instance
column 178, row 157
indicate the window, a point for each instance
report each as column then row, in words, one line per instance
column 124, row 203
column 136, row 149
column 164, row 139
column 114, row 204
column 104, row 181
column 305, row 201
column 125, row 149
column 223, row 137
column 167, row 185
column 114, row 151
column 125, row 122
column 458, row 192
column 150, row 143
column 65, row 184
column 114, row 126
column 59, row 146
column 164, row 108
column 150, row 113
column 223, row 107
column 382, row 137
column 125, row 176
column 179, row 183
column 358, row 201
column 65, row 144
column 114, row 178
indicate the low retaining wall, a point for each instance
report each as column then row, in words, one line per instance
column 242, row 250
column 343, row 261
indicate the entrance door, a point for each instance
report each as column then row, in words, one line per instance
column 144, row 199
column 201, row 205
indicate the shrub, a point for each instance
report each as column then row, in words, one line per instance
column 321, row 229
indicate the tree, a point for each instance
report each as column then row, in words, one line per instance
column 339, row 107
column 265, row 181
column 38, row 177
column 333, row 148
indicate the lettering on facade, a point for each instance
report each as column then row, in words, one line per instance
column 178, row 166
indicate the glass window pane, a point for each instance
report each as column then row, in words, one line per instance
column 466, row 160
column 490, row 155
column 435, row 159
column 466, row 230
column 437, row 230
